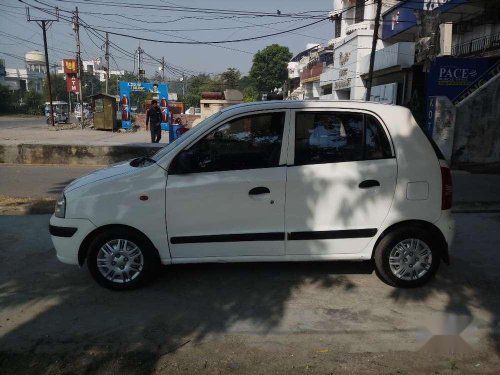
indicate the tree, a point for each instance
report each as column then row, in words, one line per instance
column 59, row 91
column 157, row 77
column 90, row 85
column 33, row 102
column 230, row 78
column 113, row 82
column 6, row 99
column 269, row 68
column 198, row 84
column 250, row 94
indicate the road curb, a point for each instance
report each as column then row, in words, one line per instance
column 69, row 154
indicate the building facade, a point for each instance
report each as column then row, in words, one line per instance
column 94, row 67
column 454, row 82
column 29, row 78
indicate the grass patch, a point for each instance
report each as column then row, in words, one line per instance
column 24, row 206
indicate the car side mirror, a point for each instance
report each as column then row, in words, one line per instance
column 185, row 162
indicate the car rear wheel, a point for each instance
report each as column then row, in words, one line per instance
column 119, row 259
column 407, row 257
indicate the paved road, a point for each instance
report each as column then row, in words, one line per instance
column 20, row 180
column 15, row 122
column 252, row 318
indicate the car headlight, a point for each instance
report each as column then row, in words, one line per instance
column 60, row 210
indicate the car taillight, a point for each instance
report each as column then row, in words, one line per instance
column 446, row 188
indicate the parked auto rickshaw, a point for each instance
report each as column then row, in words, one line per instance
column 61, row 112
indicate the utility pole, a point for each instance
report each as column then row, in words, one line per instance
column 139, row 51
column 163, row 68
column 106, row 56
column 54, row 66
column 374, row 46
column 45, row 24
column 76, row 28
column 184, row 84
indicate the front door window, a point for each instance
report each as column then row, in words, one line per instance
column 251, row 142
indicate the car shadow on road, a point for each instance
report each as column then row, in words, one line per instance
column 184, row 305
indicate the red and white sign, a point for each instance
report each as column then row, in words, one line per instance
column 72, row 84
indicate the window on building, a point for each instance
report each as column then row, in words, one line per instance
column 338, row 25
column 327, row 90
column 333, row 137
column 360, row 11
column 248, row 142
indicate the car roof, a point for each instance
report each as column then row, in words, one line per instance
column 309, row 103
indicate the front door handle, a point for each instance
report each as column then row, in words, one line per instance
column 259, row 191
column 366, row 184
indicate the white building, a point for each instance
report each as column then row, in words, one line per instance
column 354, row 25
column 95, row 67
column 30, row 78
column 304, row 71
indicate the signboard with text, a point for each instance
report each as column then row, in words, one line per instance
column 69, row 66
column 159, row 89
column 450, row 76
column 401, row 17
column 72, row 84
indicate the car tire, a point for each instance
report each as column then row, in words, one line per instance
column 407, row 257
column 120, row 259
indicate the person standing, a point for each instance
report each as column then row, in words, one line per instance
column 153, row 118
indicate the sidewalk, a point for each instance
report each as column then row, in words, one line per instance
column 31, row 141
column 23, row 185
column 479, row 192
column 18, row 130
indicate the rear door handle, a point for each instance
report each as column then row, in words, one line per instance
column 259, row 191
column 366, row 184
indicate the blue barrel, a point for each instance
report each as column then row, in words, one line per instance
column 173, row 132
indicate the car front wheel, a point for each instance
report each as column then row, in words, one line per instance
column 407, row 257
column 119, row 259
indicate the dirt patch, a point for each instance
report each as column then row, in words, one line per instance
column 209, row 359
column 26, row 206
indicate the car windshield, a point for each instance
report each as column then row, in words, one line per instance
column 199, row 128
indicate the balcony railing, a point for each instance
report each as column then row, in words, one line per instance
column 477, row 45
column 365, row 25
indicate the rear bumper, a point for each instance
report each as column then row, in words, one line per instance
column 67, row 236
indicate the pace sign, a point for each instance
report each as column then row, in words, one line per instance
column 450, row 76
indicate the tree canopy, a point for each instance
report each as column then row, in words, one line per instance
column 269, row 68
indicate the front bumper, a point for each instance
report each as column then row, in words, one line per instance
column 67, row 236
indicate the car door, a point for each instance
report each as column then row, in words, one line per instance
column 225, row 193
column 341, row 179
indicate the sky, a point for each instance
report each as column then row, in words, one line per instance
column 164, row 22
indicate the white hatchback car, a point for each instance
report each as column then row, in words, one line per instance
column 268, row 181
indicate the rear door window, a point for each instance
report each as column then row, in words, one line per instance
column 334, row 137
